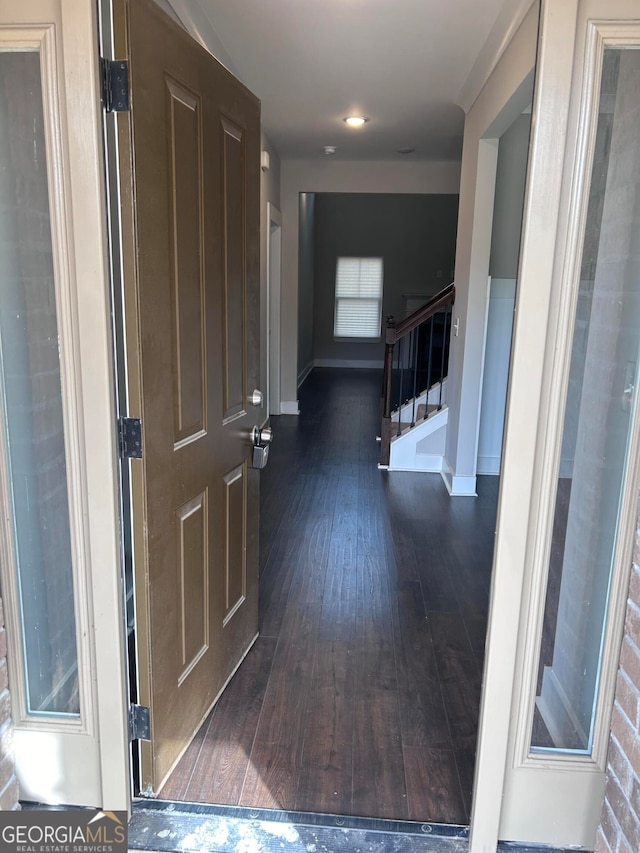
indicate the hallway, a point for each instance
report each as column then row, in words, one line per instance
column 361, row 694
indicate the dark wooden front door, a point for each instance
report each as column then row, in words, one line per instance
column 190, row 192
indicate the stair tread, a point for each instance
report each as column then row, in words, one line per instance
column 422, row 408
column 420, row 416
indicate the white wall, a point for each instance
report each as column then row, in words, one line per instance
column 306, row 286
column 506, row 94
column 511, row 176
column 502, row 298
column 269, row 194
column 338, row 176
column 196, row 22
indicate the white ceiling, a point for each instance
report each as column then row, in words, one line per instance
column 401, row 63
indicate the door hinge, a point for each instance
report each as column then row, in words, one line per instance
column 130, row 438
column 139, row 723
column 115, row 85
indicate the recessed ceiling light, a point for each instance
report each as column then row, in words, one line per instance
column 356, row 121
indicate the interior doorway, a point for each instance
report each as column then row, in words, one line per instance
column 421, row 750
column 361, row 694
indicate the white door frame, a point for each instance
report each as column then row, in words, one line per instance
column 567, row 790
column 76, row 57
column 87, row 765
column 274, row 267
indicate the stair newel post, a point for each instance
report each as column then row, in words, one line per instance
column 385, row 432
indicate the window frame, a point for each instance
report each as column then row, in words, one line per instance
column 358, row 338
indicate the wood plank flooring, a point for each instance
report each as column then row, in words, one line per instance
column 361, row 695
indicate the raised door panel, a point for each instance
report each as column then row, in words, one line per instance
column 234, row 284
column 185, row 146
column 193, row 565
column 235, row 565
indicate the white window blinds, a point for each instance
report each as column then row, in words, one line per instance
column 358, row 311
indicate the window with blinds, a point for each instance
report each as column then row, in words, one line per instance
column 358, row 311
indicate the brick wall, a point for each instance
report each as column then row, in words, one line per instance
column 619, row 831
column 8, row 781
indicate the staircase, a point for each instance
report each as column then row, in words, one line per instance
column 419, row 447
column 413, row 422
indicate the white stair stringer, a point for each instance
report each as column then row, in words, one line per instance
column 422, row 447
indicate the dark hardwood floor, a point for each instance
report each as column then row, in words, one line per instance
column 361, row 694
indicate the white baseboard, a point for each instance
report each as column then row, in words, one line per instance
column 289, row 407
column 458, row 486
column 348, row 362
column 423, row 462
column 303, row 375
column 489, row 465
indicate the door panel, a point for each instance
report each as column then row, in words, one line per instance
column 235, row 504
column 193, row 526
column 188, row 283
column 193, row 142
column 234, row 285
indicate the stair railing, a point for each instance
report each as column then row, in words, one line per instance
column 419, row 345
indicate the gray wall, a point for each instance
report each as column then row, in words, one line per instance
column 509, row 199
column 414, row 234
column 511, row 173
column 305, row 286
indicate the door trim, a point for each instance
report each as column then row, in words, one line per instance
column 43, row 40
column 566, row 97
column 274, row 273
column 69, row 62
column 525, row 392
column 88, row 203
column 599, row 36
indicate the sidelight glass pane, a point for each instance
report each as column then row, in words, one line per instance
column 31, row 396
column 598, row 422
